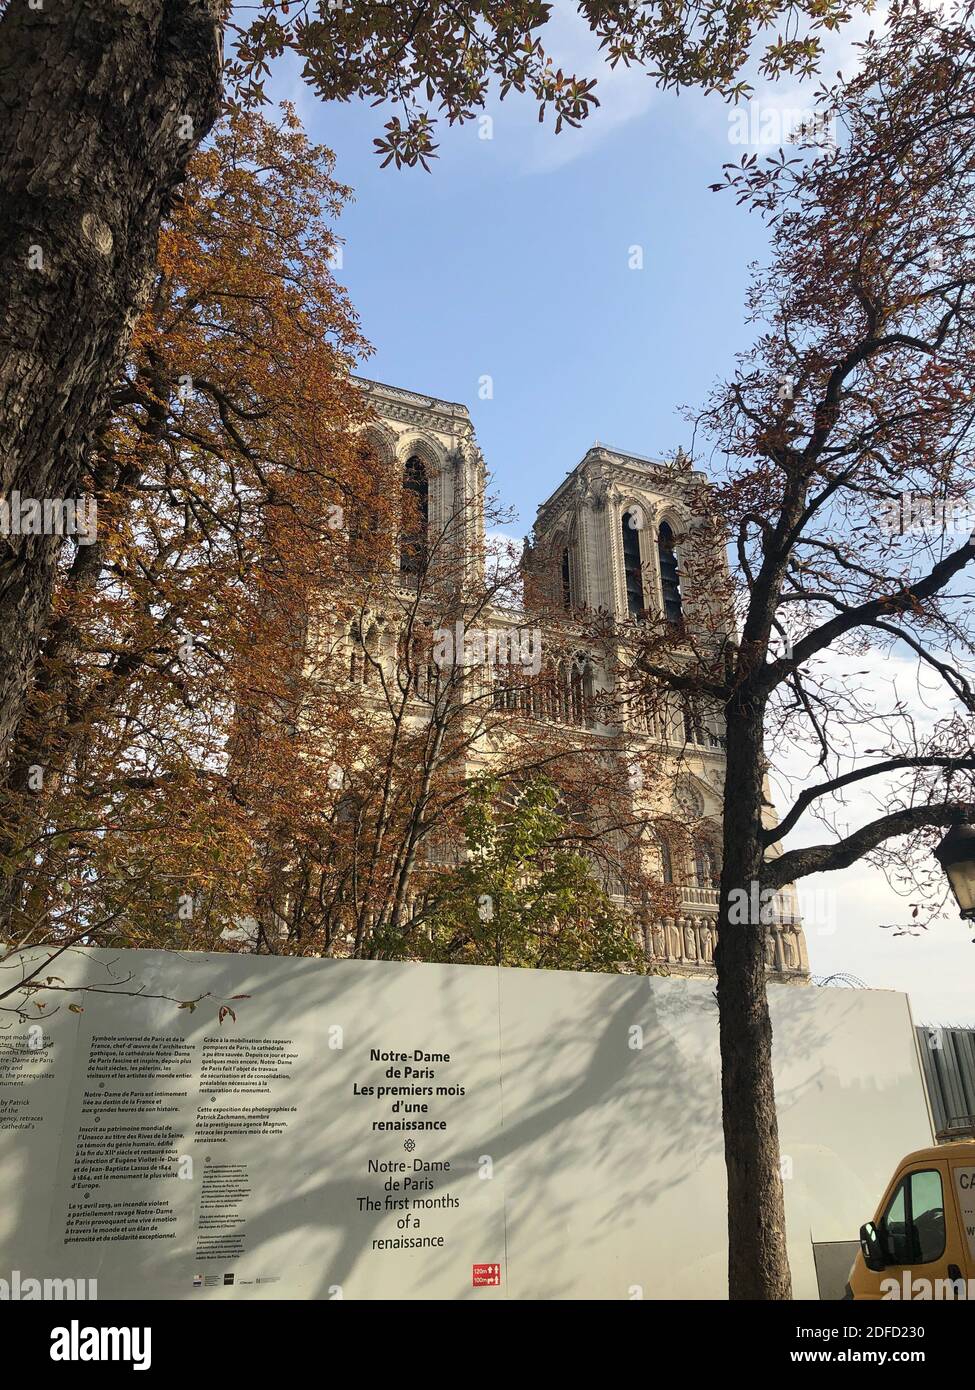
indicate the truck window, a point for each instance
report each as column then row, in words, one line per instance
column 895, row 1226
column 928, row 1215
column 915, row 1220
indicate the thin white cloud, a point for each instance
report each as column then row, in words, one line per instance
column 624, row 95
column 855, row 934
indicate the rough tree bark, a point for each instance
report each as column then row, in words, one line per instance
column 758, row 1265
column 102, row 103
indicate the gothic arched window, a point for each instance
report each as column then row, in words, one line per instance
column 355, row 656
column 578, row 698
column 666, row 863
column 361, row 514
column 632, row 565
column 669, row 574
column 551, row 695
column 561, row 693
column 566, row 576
column 416, row 516
column 371, row 648
column 580, row 691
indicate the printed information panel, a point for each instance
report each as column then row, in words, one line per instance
column 965, row 1187
column 231, row 1126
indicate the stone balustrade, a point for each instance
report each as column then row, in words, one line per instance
column 687, row 943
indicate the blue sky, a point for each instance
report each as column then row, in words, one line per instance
column 511, row 260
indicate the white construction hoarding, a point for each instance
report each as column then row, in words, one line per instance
column 325, row 1129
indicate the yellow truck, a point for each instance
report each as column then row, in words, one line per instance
column 921, row 1241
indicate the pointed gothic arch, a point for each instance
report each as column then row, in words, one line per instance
column 670, row 579
column 665, row 857
column 632, row 520
column 416, row 517
column 562, row 578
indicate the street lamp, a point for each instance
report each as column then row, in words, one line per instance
column 956, row 855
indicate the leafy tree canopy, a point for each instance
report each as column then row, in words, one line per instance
column 522, row 899
column 432, row 54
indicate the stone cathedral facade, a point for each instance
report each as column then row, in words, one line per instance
column 607, row 539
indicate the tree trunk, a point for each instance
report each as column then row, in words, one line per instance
column 102, row 103
column 758, row 1266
